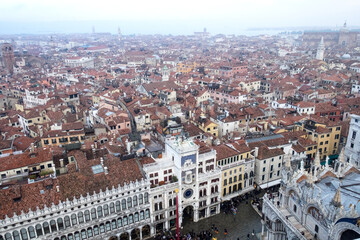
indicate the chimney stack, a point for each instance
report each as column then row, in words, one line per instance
column 256, row 152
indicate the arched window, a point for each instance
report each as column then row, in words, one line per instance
column 295, row 208
column 174, row 201
column 316, row 228
column 96, row 230
column 160, row 205
column 136, row 217
column 24, row 235
column 89, row 232
column 204, row 192
column 81, row 217
column 93, row 213
column 146, row 198
column 112, row 207
column 156, row 207
column 70, row 236
column 131, row 219
column 108, row 226
column 123, row 204
column 77, row 236
column 119, row 222
column 200, row 193
column 212, row 189
column 63, row 238
column 245, row 176
column 147, row 213
column 53, row 226
column 16, row 235
column 117, row 206
column 102, row 228
column 113, row 224
column 31, row 231
column 170, row 202
column 216, row 188
column 39, row 231
column 83, row 234
column 8, row 236
column 106, row 210
column 87, row 216
column 125, row 221
column 135, row 202
column 99, row 211
column 73, row 219
column 67, row 221
column 142, row 216
column 141, row 199
column 46, row 228
column 60, row 223
column 129, row 202
column 251, row 174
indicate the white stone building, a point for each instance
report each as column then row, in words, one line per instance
column 268, row 165
column 355, row 89
column 85, row 62
column 319, row 204
column 62, row 208
column 190, row 170
column 352, row 147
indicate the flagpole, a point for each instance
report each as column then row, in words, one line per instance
column 177, row 214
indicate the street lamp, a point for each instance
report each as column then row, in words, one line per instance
column 177, row 213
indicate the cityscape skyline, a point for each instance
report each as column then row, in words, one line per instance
column 180, row 120
column 159, row 17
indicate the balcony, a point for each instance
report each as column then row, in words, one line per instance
column 287, row 218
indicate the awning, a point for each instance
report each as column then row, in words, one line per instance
column 331, row 159
column 270, row 184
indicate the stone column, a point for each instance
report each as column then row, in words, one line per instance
column 152, row 230
column 140, row 233
column 196, row 215
column 262, row 227
column 129, row 232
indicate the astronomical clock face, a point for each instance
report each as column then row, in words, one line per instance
column 188, row 193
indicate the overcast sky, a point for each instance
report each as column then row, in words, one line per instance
column 172, row 17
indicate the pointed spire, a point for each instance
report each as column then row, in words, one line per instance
column 302, row 165
column 327, row 162
column 342, row 155
column 317, row 160
column 337, row 198
column 288, row 161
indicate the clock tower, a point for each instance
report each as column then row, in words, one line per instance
column 184, row 154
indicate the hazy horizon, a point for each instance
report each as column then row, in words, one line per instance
column 177, row 18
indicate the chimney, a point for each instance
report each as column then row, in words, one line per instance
column 31, row 147
column 93, row 149
column 256, row 152
column 102, row 161
column 57, row 188
column 106, row 170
